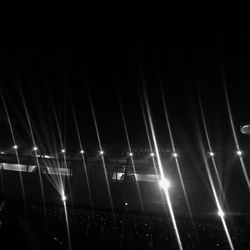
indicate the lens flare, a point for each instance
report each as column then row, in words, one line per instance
column 164, row 183
column 236, row 139
column 130, row 150
column 218, row 205
column 175, row 155
column 239, row 152
column 161, row 169
column 221, row 213
column 64, row 198
column 101, row 150
column 211, row 153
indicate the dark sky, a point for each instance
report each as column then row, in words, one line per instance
column 51, row 55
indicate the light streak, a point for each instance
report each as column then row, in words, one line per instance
column 161, row 169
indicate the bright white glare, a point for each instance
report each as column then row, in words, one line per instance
column 63, row 150
column 221, row 213
column 35, row 148
column 211, row 153
column 152, row 154
column 175, row 155
column 126, row 203
column 64, row 198
column 101, row 152
column 130, row 154
column 15, row 147
column 164, row 183
column 239, row 152
column 82, row 152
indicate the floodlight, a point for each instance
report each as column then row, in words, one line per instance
column 164, row 183
column 239, row 152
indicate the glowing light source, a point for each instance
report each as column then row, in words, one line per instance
column 126, row 203
column 164, row 183
column 175, row 155
column 239, row 152
column 130, row 154
column 35, row 148
column 64, row 198
column 15, row 146
column 82, row 152
column 152, row 154
column 63, row 151
column 211, row 153
column 221, row 213
column 101, row 152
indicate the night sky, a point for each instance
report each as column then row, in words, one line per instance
column 50, row 57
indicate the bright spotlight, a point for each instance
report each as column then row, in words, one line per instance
column 221, row 213
column 82, row 152
column 164, row 183
column 152, row 154
column 175, row 155
column 126, row 203
column 63, row 151
column 130, row 154
column 64, row 198
column 239, row 152
column 35, row 148
column 101, row 152
column 211, row 153
column 15, row 147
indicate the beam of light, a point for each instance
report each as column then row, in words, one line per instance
column 219, row 208
column 239, row 152
column 161, row 168
column 165, row 184
column 130, row 150
column 152, row 154
column 64, row 198
column 82, row 155
column 37, row 162
column 175, row 155
column 211, row 153
column 100, row 147
column 221, row 213
column 16, row 152
column 236, row 139
column 63, row 150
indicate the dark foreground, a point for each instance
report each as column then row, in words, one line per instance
column 104, row 229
